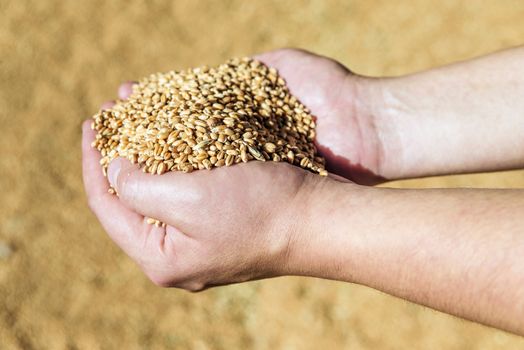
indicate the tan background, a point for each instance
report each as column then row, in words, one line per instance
column 63, row 284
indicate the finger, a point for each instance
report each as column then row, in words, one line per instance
column 126, row 89
column 160, row 196
column 275, row 58
column 107, row 104
column 128, row 229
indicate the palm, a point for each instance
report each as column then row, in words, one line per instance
column 346, row 139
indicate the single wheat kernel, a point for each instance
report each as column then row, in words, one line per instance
column 150, row 221
column 269, row 147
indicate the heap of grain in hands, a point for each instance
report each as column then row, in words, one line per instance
column 205, row 117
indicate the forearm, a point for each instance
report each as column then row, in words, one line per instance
column 466, row 117
column 458, row 251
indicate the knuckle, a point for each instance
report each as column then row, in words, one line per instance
column 159, row 280
column 195, row 287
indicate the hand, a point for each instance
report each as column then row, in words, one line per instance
column 349, row 135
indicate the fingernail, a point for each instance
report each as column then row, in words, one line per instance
column 112, row 171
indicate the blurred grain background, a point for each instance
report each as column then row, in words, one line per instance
column 64, row 285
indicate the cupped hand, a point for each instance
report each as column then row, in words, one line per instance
column 349, row 134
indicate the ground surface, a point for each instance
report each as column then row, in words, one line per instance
column 63, row 284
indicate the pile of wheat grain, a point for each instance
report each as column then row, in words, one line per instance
column 208, row 117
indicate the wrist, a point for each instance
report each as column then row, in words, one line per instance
column 323, row 242
column 380, row 105
column 438, row 123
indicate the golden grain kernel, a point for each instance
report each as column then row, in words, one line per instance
column 201, row 144
column 207, row 163
column 290, row 156
column 256, row 153
column 161, row 168
column 269, row 147
column 229, row 159
column 150, row 221
column 304, row 162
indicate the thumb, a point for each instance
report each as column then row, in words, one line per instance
column 155, row 196
column 135, row 189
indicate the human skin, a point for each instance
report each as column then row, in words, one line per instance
column 455, row 250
